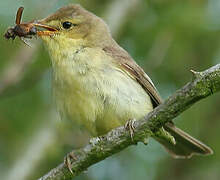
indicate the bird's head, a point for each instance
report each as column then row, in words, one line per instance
column 73, row 25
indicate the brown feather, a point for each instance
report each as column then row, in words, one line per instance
column 129, row 65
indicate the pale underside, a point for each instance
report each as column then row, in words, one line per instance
column 94, row 94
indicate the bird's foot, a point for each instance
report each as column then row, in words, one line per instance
column 129, row 125
column 67, row 161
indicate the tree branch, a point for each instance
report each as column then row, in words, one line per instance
column 202, row 85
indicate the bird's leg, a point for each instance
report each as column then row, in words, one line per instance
column 67, row 160
column 129, row 125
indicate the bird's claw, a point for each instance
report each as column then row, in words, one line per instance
column 67, row 161
column 129, row 125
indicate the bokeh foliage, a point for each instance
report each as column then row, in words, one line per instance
column 167, row 38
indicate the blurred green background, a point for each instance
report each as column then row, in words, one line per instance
column 167, row 38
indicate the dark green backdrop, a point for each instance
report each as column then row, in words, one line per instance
column 167, row 38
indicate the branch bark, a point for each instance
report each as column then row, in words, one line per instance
column 202, row 85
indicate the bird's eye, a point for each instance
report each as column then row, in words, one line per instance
column 67, row 25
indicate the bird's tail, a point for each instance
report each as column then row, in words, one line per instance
column 185, row 145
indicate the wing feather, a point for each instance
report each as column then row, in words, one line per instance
column 127, row 64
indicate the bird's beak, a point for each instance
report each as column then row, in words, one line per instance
column 43, row 29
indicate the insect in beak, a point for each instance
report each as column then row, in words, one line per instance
column 25, row 30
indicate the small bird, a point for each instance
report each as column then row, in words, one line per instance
column 97, row 84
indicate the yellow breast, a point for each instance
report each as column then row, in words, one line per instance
column 95, row 94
